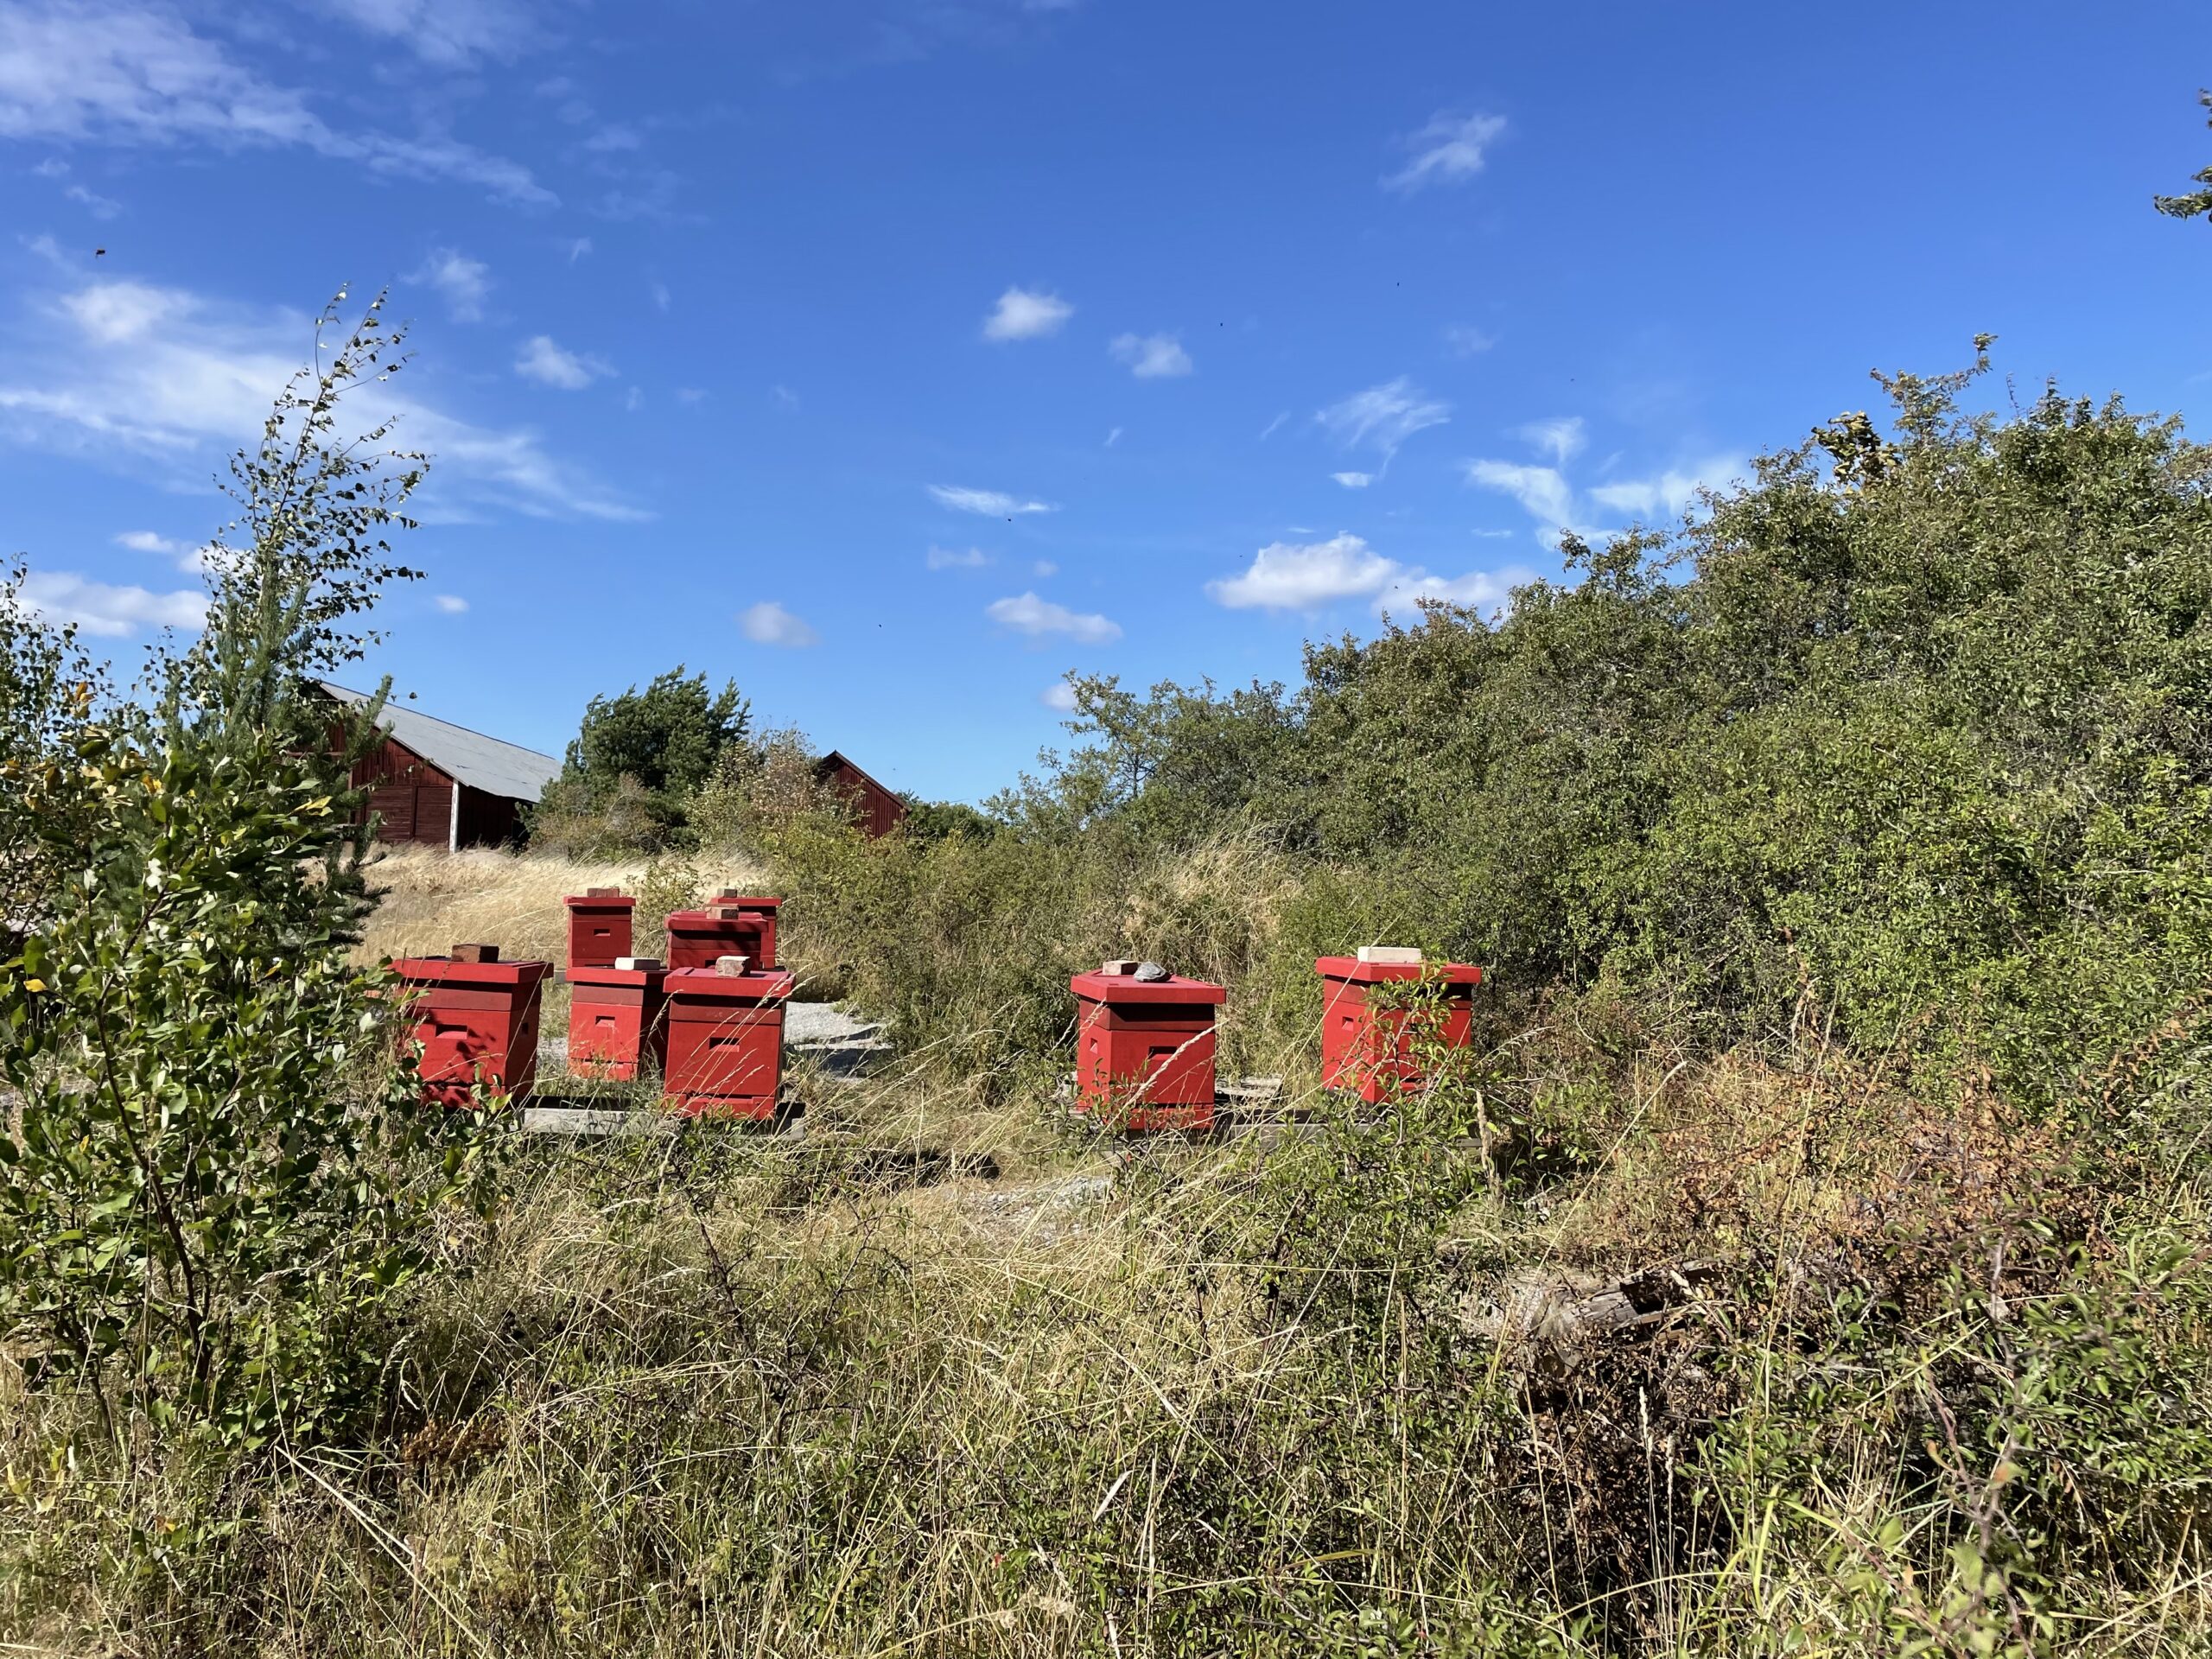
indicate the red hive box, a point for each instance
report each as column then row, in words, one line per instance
column 617, row 1017
column 1144, row 1051
column 477, row 1022
column 1371, row 1050
column 726, row 1042
column 731, row 926
column 599, row 927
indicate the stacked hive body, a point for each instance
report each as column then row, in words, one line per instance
column 726, row 1040
column 476, row 1019
column 599, row 927
column 618, row 1019
column 1145, row 1048
column 734, row 925
column 1374, row 1026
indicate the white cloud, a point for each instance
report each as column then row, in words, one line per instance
column 452, row 34
column 62, row 596
column 1383, row 417
column 661, row 297
column 1562, row 439
column 989, row 503
column 1290, row 576
column 190, row 558
column 451, row 604
column 1061, row 695
column 1113, row 437
column 634, row 399
column 550, row 365
column 99, row 207
column 958, row 558
column 1543, row 491
column 88, row 373
column 1027, row 314
column 1151, row 357
column 769, row 624
column 122, row 73
column 1044, row 568
column 578, row 248
column 1354, row 480
column 1272, row 426
column 1449, row 149
column 463, row 281
column 1026, row 613
column 1674, row 492
column 1466, row 342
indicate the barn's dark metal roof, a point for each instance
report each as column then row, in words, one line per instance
column 480, row 762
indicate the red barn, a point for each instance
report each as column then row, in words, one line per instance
column 436, row 785
column 877, row 809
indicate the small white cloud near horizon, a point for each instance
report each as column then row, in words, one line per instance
column 551, row 364
column 1027, row 314
column 1026, row 613
column 107, row 611
column 191, row 558
column 769, row 624
column 1674, row 492
column 956, row 558
column 451, row 604
column 1543, row 491
column 1294, row 576
column 1465, row 340
column 1354, row 480
column 1059, row 696
column 1451, row 148
column 988, row 503
column 1044, row 568
column 1383, row 417
column 464, row 282
column 1151, row 357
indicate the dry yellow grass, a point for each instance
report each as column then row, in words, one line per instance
column 432, row 899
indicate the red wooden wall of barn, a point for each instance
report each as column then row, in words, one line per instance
column 877, row 811
column 414, row 798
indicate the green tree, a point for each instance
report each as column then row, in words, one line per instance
column 2197, row 203
column 214, row 1170
column 640, row 760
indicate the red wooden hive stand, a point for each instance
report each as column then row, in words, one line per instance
column 726, row 1042
column 476, row 1017
column 1369, row 1047
column 599, row 927
column 618, row 1018
column 1144, row 1056
column 734, row 925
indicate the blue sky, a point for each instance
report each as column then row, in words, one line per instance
column 895, row 359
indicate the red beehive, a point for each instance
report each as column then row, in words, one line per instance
column 1367, row 1045
column 616, row 1018
column 599, row 927
column 476, row 1017
column 732, row 927
column 725, row 1041
column 1144, row 1056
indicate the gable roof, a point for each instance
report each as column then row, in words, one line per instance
column 480, row 762
column 836, row 760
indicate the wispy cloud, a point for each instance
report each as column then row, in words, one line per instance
column 769, row 624
column 1310, row 576
column 1113, row 437
column 578, row 248
column 88, row 373
column 451, row 604
column 119, row 73
column 551, row 364
column 1274, row 426
column 1562, row 439
column 1026, row 613
column 190, row 558
column 990, row 502
column 1061, row 695
column 463, row 281
column 1354, row 480
column 1673, row 492
column 63, row 596
column 1383, row 417
column 1463, row 340
column 956, row 558
column 1543, row 491
column 1449, row 149
column 451, row 33
column 1027, row 314
column 1151, row 357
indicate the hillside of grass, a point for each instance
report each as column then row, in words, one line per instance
column 1807, row 1256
